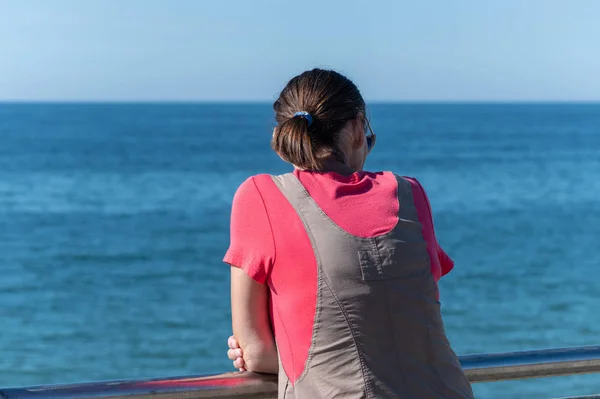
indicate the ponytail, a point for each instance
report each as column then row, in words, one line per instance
column 293, row 141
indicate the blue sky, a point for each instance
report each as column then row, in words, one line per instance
column 463, row 50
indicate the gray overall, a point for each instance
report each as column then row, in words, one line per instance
column 378, row 331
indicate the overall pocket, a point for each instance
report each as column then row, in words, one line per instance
column 385, row 260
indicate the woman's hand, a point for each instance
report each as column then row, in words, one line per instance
column 235, row 354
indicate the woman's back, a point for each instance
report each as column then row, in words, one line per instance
column 334, row 270
column 352, row 264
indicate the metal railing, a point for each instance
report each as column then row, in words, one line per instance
column 478, row 368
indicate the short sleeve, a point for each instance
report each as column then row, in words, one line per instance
column 251, row 245
column 446, row 263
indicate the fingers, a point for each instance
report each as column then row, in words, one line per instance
column 239, row 364
column 233, row 354
column 233, row 343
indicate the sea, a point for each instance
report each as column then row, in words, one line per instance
column 114, row 219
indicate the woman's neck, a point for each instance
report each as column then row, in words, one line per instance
column 333, row 165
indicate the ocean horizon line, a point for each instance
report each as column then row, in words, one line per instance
column 269, row 102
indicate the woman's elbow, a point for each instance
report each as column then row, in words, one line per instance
column 260, row 366
column 261, row 361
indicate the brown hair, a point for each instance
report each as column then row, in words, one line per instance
column 331, row 99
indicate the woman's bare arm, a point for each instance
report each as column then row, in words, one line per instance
column 251, row 322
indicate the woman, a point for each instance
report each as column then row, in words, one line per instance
column 334, row 269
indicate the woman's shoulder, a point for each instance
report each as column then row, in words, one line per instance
column 414, row 182
column 250, row 185
column 254, row 190
column 251, row 180
column 415, row 185
column 418, row 187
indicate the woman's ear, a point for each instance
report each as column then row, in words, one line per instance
column 358, row 131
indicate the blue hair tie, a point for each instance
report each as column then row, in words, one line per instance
column 306, row 116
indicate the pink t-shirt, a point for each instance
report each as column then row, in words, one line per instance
column 269, row 242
